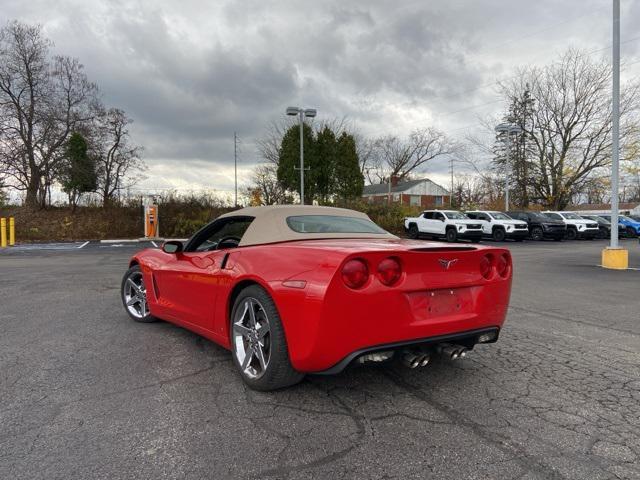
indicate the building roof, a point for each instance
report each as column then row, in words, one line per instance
column 383, row 188
column 585, row 207
column 270, row 224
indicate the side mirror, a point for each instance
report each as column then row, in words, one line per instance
column 488, row 219
column 172, row 246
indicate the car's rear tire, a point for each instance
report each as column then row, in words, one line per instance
column 537, row 233
column 134, row 296
column 572, row 234
column 451, row 235
column 413, row 231
column 258, row 342
column 498, row 234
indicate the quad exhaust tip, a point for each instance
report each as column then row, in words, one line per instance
column 415, row 360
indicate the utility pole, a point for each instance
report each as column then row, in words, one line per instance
column 235, row 164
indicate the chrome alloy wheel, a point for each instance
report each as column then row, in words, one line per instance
column 135, row 295
column 251, row 337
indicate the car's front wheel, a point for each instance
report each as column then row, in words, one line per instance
column 258, row 342
column 451, row 235
column 536, row 233
column 572, row 234
column 498, row 234
column 413, row 231
column 134, row 296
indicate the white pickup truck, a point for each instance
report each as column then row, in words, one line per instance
column 500, row 226
column 448, row 224
column 577, row 227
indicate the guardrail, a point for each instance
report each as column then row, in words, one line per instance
column 3, row 232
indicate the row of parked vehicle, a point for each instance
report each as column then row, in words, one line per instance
column 516, row 225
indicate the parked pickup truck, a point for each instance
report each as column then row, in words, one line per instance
column 448, row 224
column 577, row 227
column 500, row 226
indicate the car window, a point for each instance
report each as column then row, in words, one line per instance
column 332, row 224
column 472, row 215
column 222, row 233
column 455, row 215
column 428, row 215
column 500, row 216
column 438, row 216
column 555, row 216
column 571, row 216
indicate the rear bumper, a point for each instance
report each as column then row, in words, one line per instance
column 324, row 331
column 468, row 339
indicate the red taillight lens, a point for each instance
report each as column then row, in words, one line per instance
column 355, row 273
column 503, row 265
column 389, row 271
column 486, row 266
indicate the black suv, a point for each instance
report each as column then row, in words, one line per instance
column 541, row 226
column 604, row 226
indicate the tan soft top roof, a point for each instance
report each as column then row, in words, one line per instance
column 270, row 224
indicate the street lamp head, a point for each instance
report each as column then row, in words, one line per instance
column 310, row 112
column 293, row 111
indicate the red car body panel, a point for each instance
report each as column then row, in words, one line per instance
column 441, row 291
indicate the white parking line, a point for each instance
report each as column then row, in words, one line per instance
column 84, row 244
column 154, row 244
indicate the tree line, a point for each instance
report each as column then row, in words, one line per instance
column 339, row 161
column 54, row 129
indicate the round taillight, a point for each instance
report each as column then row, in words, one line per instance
column 389, row 271
column 355, row 273
column 502, row 265
column 486, row 266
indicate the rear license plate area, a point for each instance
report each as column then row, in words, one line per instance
column 447, row 302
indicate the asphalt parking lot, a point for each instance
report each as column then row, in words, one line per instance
column 87, row 393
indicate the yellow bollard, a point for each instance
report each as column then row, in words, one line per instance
column 3, row 232
column 12, row 231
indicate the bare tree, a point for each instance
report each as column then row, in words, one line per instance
column 570, row 127
column 42, row 100
column 401, row 157
column 119, row 164
column 264, row 188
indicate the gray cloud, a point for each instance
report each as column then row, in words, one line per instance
column 191, row 73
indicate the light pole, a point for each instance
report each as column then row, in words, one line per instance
column 301, row 113
column 507, row 129
column 614, row 256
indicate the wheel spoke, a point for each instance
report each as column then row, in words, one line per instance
column 132, row 300
column 143, row 307
column 241, row 330
column 247, row 358
column 133, row 284
column 252, row 313
column 260, row 355
column 263, row 329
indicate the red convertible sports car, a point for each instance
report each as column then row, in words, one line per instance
column 304, row 289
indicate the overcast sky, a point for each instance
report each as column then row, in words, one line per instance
column 190, row 73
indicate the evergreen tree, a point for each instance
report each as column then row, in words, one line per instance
column 349, row 181
column 78, row 174
column 322, row 172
